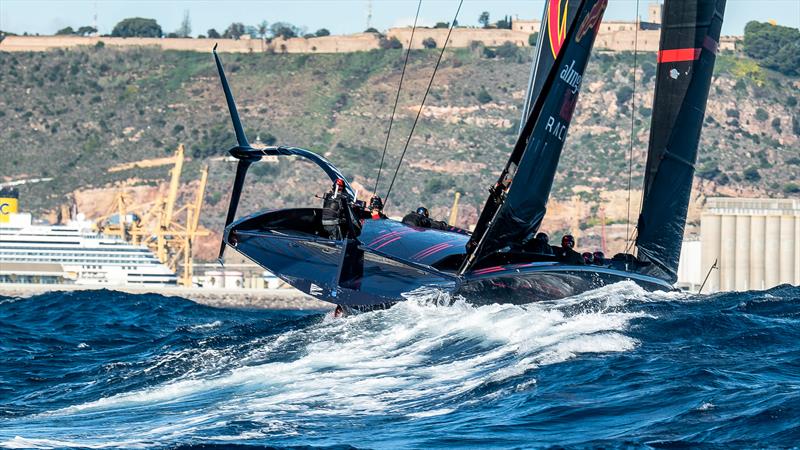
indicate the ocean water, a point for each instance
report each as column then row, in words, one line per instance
column 614, row 367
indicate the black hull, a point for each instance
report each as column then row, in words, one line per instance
column 393, row 262
column 545, row 283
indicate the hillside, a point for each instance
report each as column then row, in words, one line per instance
column 73, row 114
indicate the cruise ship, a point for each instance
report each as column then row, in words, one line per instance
column 72, row 254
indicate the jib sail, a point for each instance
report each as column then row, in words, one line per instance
column 518, row 200
column 687, row 51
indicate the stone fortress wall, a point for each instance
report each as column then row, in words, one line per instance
column 613, row 36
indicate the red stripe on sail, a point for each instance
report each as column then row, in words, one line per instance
column 678, row 55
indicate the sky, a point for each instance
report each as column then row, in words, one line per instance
column 338, row 16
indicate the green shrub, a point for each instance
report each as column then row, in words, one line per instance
column 776, row 124
column 533, row 38
column 436, row 184
column 791, row 188
column 761, row 114
column 507, row 50
column 484, row 96
column 751, row 174
column 624, row 94
column 429, row 43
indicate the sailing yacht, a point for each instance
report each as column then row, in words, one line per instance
column 381, row 261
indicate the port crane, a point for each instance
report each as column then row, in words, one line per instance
column 168, row 230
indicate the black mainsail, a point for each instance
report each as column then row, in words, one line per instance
column 518, row 200
column 557, row 17
column 689, row 40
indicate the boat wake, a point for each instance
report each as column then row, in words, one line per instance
column 391, row 377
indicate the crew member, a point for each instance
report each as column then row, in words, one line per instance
column 376, row 208
column 334, row 207
column 566, row 252
column 599, row 258
column 588, row 258
column 539, row 244
column 421, row 218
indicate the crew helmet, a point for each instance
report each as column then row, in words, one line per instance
column 568, row 241
column 588, row 258
column 423, row 211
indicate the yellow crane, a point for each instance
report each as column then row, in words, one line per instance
column 454, row 210
column 158, row 227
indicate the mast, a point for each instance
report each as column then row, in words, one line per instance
column 687, row 51
column 515, row 209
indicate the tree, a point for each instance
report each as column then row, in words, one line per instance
column 65, row 31
column 284, row 30
column 213, row 34
column 86, row 30
column 137, row 27
column 322, row 32
column 429, row 43
column 504, row 23
column 761, row 114
column 442, row 25
column 234, row 31
column 185, row 29
column 533, row 38
column 483, row 19
column 390, row 43
column 372, row 30
column 773, row 46
column 262, row 28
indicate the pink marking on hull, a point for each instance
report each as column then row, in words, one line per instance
column 386, row 236
column 389, row 242
column 489, row 270
column 430, row 250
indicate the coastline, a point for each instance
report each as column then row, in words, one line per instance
column 287, row 299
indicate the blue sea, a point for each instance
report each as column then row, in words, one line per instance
column 616, row 367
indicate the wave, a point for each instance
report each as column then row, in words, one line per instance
column 221, row 377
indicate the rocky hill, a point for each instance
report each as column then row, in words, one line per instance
column 71, row 115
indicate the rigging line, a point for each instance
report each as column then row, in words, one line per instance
column 628, row 244
column 422, row 104
column 396, row 99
